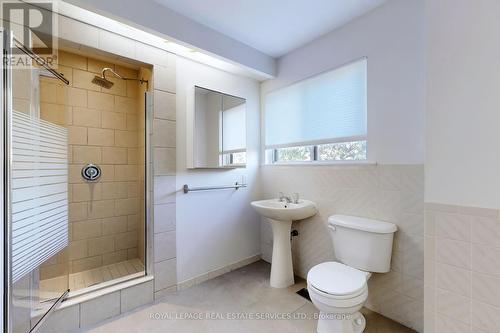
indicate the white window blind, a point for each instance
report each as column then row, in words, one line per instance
column 234, row 129
column 330, row 107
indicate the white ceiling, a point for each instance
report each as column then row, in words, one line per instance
column 273, row 27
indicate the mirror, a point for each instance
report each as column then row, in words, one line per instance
column 219, row 133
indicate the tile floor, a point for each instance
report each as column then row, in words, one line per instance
column 244, row 292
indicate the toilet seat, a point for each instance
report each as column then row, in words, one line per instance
column 336, row 280
column 335, row 301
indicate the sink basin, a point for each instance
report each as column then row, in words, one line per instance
column 282, row 211
column 280, row 215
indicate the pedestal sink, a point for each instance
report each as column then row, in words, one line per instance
column 281, row 215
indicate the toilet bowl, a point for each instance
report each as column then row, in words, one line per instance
column 339, row 289
column 339, row 292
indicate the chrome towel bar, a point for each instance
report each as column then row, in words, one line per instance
column 40, row 61
column 236, row 186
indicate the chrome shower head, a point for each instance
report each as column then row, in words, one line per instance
column 102, row 81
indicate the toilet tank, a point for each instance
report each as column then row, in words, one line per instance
column 362, row 243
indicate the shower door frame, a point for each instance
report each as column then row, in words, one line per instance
column 6, row 85
column 6, row 167
column 4, row 80
column 7, row 40
column 148, row 183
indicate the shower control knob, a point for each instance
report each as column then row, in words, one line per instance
column 91, row 172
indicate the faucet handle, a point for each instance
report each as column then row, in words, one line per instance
column 295, row 198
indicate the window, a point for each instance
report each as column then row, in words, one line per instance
column 235, row 159
column 322, row 118
column 233, row 127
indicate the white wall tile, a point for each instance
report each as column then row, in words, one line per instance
column 164, row 218
column 467, row 240
column 430, row 262
column 485, row 231
column 116, row 44
column 447, row 325
column 413, row 257
column 164, row 78
column 429, row 309
column 164, row 161
column 136, row 296
column 78, row 32
column 412, row 224
column 485, row 260
column 485, row 288
column 454, row 279
column 164, row 246
column 413, row 287
column 164, row 133
column 430, row 226
column 164, row 105
column 165, row 274
column 485, row 317
column 99, row 309
column 164, row 189
column 452, row 226
column 456, row 253
column 65, row 320
column 454, row 306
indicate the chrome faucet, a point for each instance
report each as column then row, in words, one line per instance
column 284, row 198
column 293, row 199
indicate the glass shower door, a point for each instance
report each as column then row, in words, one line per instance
column 36, row 209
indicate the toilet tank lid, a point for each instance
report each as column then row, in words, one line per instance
column 361, row 223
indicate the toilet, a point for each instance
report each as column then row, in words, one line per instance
column 339, row 289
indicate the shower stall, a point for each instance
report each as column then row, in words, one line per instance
column 76, row 197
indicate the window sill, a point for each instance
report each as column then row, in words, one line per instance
column 316, row 163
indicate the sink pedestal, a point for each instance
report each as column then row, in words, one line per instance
column 281, row 214
column 281, row 266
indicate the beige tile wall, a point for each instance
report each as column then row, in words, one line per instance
column 462, row 269
column 391, row 193
column 106, row 127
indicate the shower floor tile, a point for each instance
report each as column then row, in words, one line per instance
column 80, row 280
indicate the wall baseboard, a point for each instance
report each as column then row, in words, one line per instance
column 217, row 272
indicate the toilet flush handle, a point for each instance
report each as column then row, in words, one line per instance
column 332, row 228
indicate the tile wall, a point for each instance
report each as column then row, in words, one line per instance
column 391, row 193
column 164, row 170
column 73, row 317
column 462, row 269
column 162, row 136
column 103, row 128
